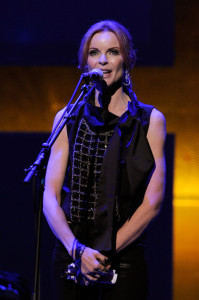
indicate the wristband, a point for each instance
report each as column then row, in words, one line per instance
column 79, row 250
column 73, row 247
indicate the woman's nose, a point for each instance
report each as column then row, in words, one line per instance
column 103, row 60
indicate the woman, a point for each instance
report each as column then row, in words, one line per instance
column 105, row 176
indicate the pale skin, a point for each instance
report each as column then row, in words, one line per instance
column 104, row 53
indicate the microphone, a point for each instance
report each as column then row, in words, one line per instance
column 94, row 75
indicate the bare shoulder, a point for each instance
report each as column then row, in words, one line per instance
column 62, row 140
column 157, row 123
column 157, row 131
column 58, row 116
column 157, row 118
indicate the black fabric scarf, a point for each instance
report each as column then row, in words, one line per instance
column 139, row 161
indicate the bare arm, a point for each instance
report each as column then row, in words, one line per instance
column 150, row 206
column 53, row 185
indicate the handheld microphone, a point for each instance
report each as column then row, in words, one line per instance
column 94, row 75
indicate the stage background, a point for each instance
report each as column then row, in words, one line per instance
column 32, row 94
column 49, row 32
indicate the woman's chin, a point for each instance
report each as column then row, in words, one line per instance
column 114, row 85
column 109, row 86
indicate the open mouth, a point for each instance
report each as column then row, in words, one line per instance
column 106, row 71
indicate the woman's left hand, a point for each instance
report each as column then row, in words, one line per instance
column 93, row 265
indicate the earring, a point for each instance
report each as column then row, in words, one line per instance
column 86, row 69
column 127, row 78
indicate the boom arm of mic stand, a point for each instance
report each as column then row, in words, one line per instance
column 34, row 168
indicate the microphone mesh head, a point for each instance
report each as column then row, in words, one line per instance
column 97, row 73
column 93, row 75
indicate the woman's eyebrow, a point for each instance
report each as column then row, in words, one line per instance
column 114, row 47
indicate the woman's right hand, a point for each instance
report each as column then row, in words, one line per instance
column 93, row 263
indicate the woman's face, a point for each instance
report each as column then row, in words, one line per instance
column 104, row 54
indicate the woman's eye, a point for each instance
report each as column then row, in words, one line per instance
column 114, row 51
column 93, row 52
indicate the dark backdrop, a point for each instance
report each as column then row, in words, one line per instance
column 48, row 32
column 17, row 234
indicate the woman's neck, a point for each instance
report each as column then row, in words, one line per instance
column 116, row 103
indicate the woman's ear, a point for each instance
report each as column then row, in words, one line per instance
column 86, row 69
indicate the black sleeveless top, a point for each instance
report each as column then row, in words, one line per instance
column 110, row 164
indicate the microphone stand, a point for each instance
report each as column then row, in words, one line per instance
column 37, row 170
